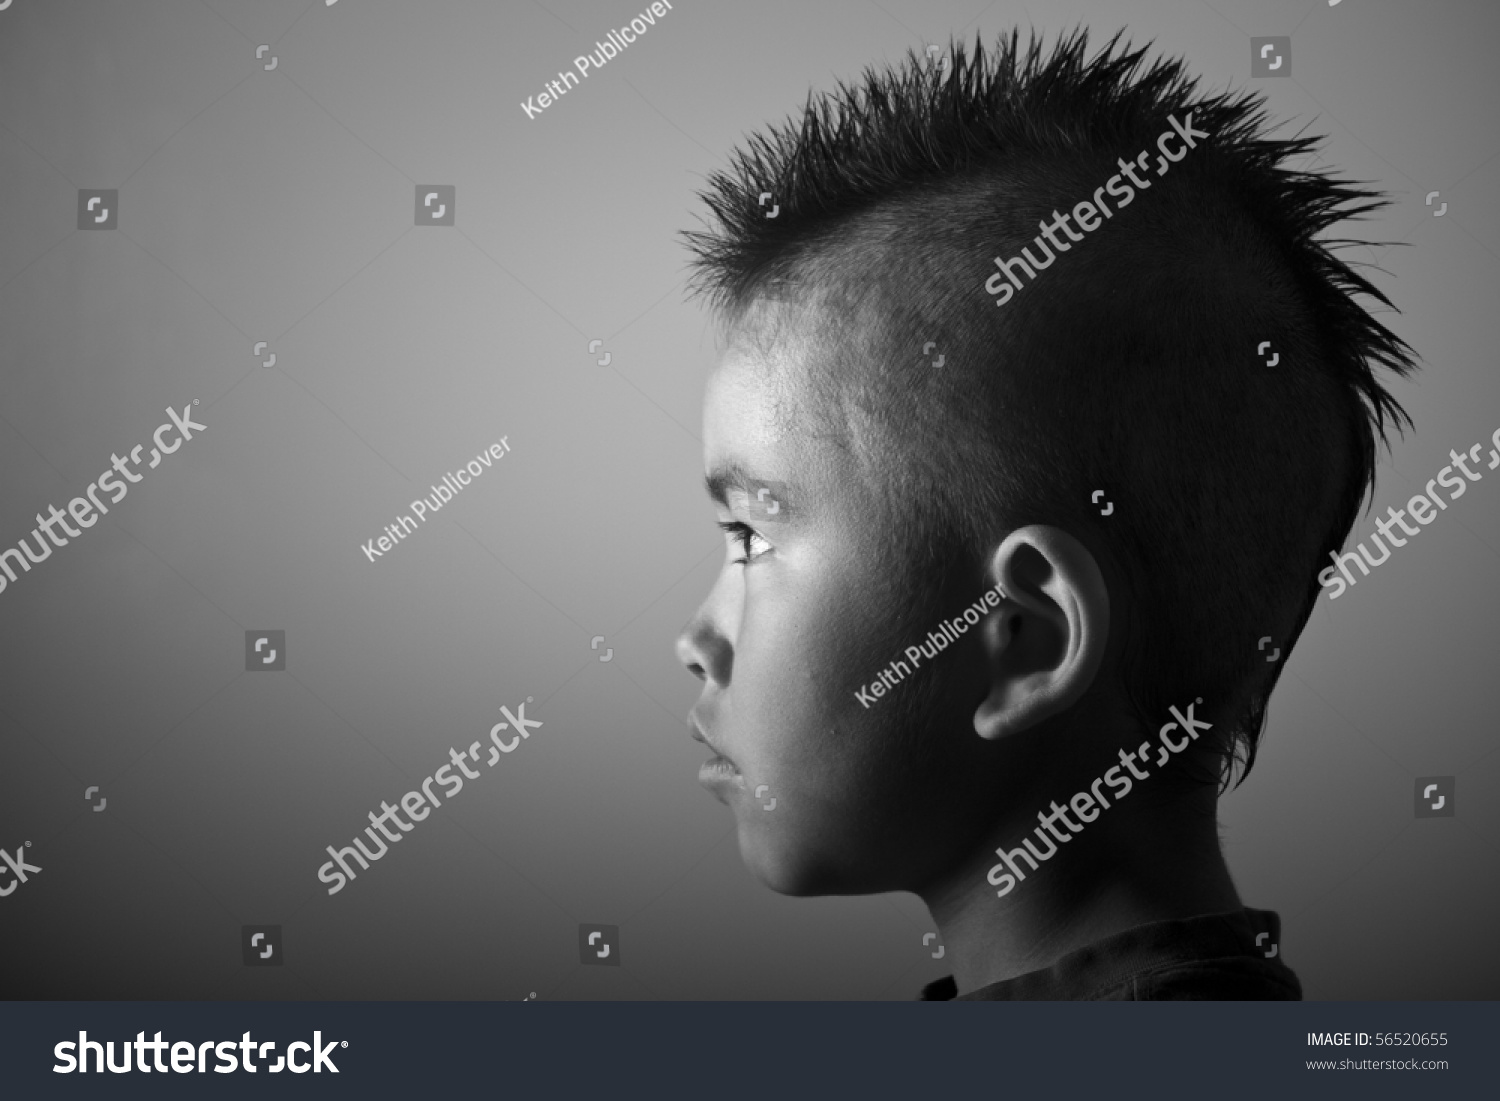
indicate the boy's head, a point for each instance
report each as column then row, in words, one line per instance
column 1145, row 441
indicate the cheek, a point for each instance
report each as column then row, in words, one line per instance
column 800, row 658
column 788, row 662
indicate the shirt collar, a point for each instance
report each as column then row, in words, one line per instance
column 1093, row 971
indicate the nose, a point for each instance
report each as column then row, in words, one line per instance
column 705, row 651
column 689, row 656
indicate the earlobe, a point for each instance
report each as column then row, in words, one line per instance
column 1046, row 640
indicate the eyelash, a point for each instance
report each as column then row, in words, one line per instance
column 744, row 533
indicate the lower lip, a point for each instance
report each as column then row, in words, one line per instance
column 718, row 772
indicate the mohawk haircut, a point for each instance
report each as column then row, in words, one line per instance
column 1132, row 367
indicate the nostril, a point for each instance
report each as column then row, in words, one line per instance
column 704, row 652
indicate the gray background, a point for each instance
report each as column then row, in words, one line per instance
column 278, row 206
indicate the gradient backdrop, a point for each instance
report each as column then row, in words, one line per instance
column 279, row 205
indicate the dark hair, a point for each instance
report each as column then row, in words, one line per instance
column 1132, row 367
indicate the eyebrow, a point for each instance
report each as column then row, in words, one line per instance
column 733, row 477
column 724, row 477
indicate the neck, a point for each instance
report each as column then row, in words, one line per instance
column 1150, row 861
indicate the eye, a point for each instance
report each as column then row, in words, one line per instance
column 750, row 541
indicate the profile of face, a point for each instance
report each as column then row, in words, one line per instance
column 830, row 796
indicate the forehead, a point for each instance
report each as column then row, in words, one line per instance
column 747, row 405
column 768, row 413
column 765, row 373
column 750, row 442
column 759, row 396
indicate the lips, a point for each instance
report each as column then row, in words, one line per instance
column 718, row 770
column 695, row 726
column 721, row 778
column 718, row 773
column 718, row 758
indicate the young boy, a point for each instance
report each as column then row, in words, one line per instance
column 1040, row 409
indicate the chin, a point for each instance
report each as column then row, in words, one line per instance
column 793, row 870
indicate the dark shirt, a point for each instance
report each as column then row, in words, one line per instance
column 1214, row 957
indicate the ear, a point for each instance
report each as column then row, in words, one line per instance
column 1046, row 639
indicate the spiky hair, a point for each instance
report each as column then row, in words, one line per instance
column 900, row 189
